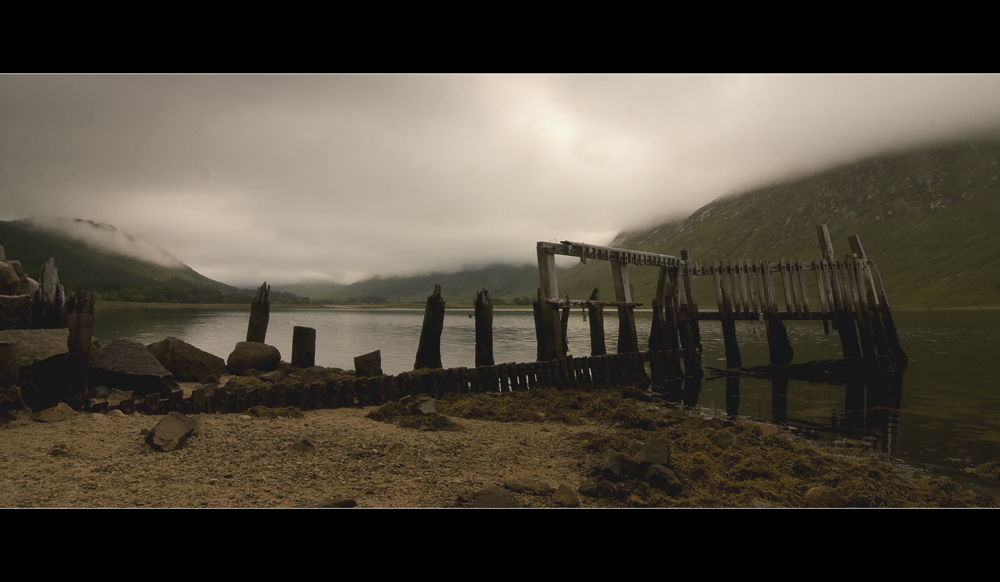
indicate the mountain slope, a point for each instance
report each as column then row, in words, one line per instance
column 927, row 217
column 86, row 263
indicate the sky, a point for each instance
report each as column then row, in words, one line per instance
column 283, row 178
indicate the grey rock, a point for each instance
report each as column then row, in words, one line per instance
column 10, row 363
column 589, row 488
column 304, row 446
column 256, row 355
column 8, row 279
column 128, row 365
column 171, row 432
column 275, row 376
column 663, row 478
column 61, row 411
column 494, row 497
column 15, row 311
column 185, row 361
column 611, row 468
column 565, row 497
column 653, row 454
column 529, row 487
column 43, row 355
column 428, row 406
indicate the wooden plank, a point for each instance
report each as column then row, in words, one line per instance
column 786, row 286
column 800, row 270
column 742, row 269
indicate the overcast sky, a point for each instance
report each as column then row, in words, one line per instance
column 342, row 177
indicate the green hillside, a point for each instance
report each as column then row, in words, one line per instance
column 927, row 217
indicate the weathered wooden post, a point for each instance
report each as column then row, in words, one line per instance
column 49, row 309
column 429, row 349
column 690, row 329
column 596, row 313
column 882, row 318
column 548, row 328
column 260, row 313
column 81, row 330
column 667, row 294
column 628, row 341
column 845, row 323
column 484, row 328
column 303, row 347
column 726, row 316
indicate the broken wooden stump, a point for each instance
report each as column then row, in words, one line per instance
column 368, row 365
column 81, row 330
column 260, row 312
column 484, row 328
column 49, row 309
column 303, row 347
column 429, row 349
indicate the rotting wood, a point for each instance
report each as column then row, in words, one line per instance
column 303, row 347
column 260, row 313
column 627, row 338
column 429, row 348
column 596, row 314
column 484, row 328
column 80, row 320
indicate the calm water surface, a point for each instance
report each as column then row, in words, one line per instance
column 945, row 415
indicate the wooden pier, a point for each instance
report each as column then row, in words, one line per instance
column 847, row 294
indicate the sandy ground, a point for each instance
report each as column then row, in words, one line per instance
column 96, row 460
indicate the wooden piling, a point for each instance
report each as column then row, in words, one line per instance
column 429, row 349
column 303, row 347
column 260, row 313
column 726, row 316
column 49, row 302
column 885, row 328
column 596, row 314
column 690, row 332
column 628, row 340
column 548, row 330
column 845, row 323
column 81, row 330
column 484, row 328
column 668, row 293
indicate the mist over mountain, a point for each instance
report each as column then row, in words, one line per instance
column 928, row 217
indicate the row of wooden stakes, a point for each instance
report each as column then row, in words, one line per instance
column 570, row 372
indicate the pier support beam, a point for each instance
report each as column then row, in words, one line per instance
column 548, row 328
column 596, row 314
column 628, row 340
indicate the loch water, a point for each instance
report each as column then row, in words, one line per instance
column 942, row 414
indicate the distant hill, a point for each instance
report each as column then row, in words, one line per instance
column 928, row 217
column 505, row 283
column 117, row 265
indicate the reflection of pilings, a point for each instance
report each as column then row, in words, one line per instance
column 779, row 400
column 733, row 395
column 691, row 390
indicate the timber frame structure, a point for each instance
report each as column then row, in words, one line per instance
column 849, row 291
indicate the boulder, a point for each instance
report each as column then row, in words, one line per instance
column 8, row 279
column 185, row 361
column 41, row 373
column 256, row 355
column 128, row 365
column 61, row 411
column 15, row 311
column 171, row 432
column 565, row 497
column 494, row 497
